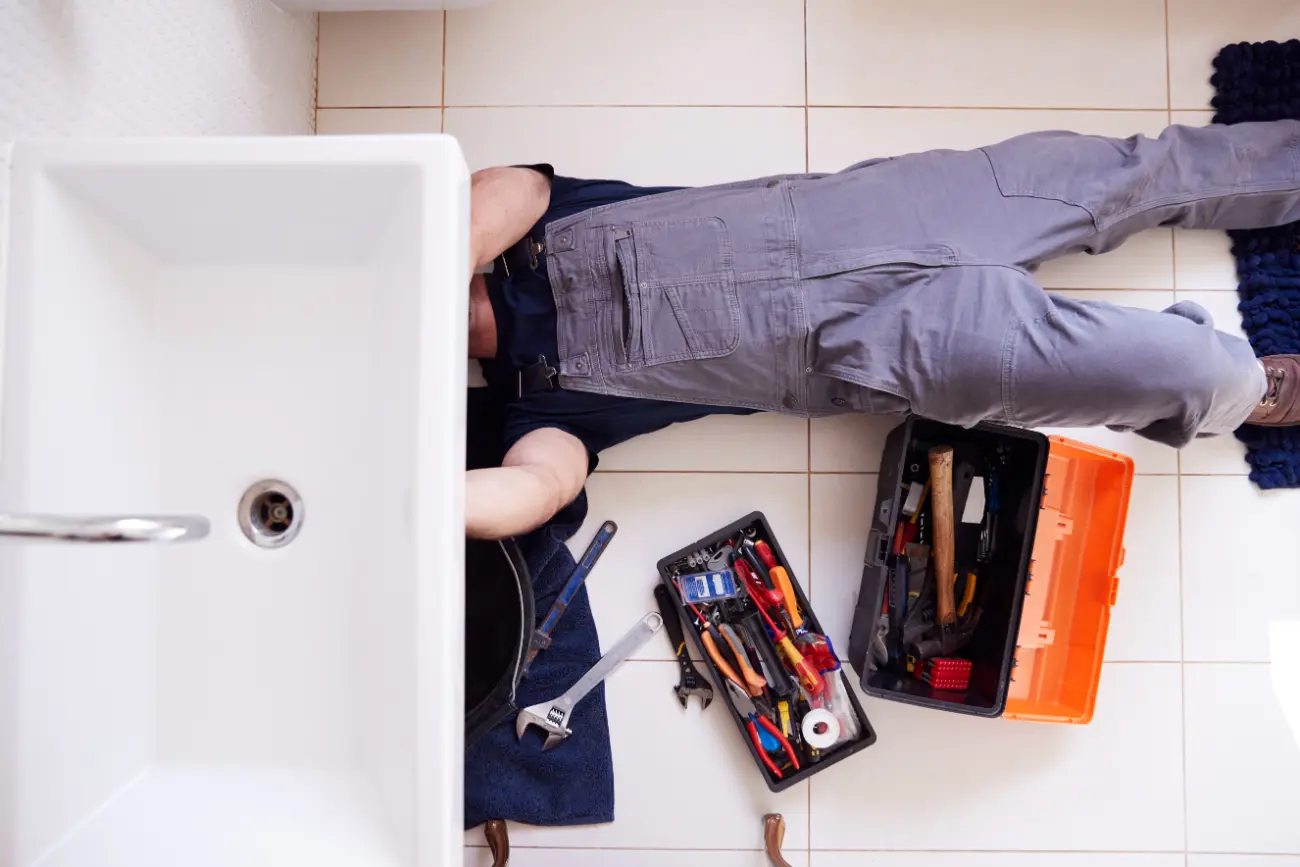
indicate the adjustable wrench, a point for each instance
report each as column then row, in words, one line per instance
column 690, row 682
column 553, row 716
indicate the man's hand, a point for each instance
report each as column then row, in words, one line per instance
column 541, row 474
column 504, row 204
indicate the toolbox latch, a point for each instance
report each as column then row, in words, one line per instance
column 877, row 548
column 1114, row 590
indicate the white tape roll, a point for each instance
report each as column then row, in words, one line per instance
column 820, row 729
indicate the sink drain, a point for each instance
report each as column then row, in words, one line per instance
column 270, row 514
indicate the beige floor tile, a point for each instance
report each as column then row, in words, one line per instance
column 674, row 52
column 1242, row 762
column 851, row 443
column 1198, row 29
column 658, row 513
column 720, row 444
column 370, row 121
column 842, row 507
column 380, row 59
column 1146, row 622
column 1241, row 567
column 1115, row 784
column 1074, row 54
column 995, row 859
column 646, row 146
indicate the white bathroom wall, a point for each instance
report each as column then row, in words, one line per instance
column 153, row 67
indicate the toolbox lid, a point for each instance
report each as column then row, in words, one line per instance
column 1078, row 549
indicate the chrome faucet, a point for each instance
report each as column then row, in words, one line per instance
column 89, row 528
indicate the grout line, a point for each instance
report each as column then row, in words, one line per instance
column 315, row 83
column 807, row 148
column 615, row 472
column 805, row 106
column 378, row 107
column 1169, row 65
column 1147, row 852
column 443, row 95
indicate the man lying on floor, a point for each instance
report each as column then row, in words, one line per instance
column 897, row 285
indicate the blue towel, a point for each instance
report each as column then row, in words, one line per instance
column 1259, row 82
column 573, row 783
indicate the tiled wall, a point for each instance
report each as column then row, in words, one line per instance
column 1188, row 751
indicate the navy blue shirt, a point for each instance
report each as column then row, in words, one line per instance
column 525, row 317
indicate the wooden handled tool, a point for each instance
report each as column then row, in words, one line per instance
column 941, row 507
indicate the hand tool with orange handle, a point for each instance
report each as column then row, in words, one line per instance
column 781, row 580
column 808, row 676
column 755, row 683
column 941, row 507
column 707, row 630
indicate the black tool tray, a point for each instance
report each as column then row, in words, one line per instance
column 1001, row 584
column 866, row 736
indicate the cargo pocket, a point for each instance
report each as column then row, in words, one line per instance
column 1058, row 166
column 679, row 291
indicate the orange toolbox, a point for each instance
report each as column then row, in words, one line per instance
column 1037, row 530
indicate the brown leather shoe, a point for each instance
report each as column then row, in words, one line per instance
column 1280, row 406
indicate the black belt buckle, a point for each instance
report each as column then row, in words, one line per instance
column 538, row 376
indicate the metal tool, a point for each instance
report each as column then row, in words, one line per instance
column 778, row 679
column 761, row 728
column 541, row 638
column 690, row 682
column 553, row 716
column 755, row 683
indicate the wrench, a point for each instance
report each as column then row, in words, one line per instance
column 689, row 682
column 553, row 716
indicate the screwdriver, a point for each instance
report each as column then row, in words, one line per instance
column 762, row 595
column 781, row 579
column 810, row 679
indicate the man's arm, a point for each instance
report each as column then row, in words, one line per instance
column 541, row 474
column 504, row 204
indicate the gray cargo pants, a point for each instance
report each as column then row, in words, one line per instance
column 904, row 284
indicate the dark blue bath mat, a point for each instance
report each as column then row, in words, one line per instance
column 1257, row 81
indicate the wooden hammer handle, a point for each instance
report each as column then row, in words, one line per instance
column 941, row 508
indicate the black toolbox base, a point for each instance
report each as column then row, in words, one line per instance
column 867, row 734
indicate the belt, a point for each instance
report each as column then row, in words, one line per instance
column 537, row 377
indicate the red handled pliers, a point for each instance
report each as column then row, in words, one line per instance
column 754, row 719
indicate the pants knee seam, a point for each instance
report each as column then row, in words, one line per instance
column 1009, row 342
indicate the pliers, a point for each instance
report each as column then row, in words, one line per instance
column 761, row 730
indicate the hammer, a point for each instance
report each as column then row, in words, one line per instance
column 945, row 575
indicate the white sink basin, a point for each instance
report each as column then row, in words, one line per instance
column 184, row 319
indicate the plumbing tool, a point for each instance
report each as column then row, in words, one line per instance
column 689, row 682
column 713, row 645
column 553, row 716
column 753, row 722
column 541, row 638
column 755, row 683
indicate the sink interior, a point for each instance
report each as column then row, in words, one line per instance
column 177, row 330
